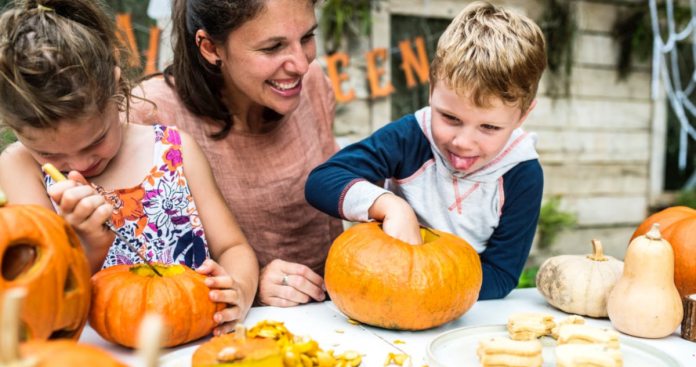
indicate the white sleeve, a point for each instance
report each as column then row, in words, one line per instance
column 359, row 200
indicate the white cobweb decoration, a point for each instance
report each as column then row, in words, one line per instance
column 665, row 53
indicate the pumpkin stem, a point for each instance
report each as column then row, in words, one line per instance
column 9, row 336
column 149, row 339
column 3, row 198
column 597, row 251
column 241, row 332
column 654, row 233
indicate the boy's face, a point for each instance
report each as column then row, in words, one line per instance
column 469, row 137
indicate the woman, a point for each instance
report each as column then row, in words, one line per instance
column 245, row 85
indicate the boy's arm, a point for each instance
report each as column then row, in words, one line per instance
column 509, row 246
column 344, row 186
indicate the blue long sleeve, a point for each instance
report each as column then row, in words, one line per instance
column 508, row 248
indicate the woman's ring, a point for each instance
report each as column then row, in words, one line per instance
column 285, row 280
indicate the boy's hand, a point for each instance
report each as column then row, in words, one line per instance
column 398, row 218
column 301, row 284
column 224, row 290
column 81, row 206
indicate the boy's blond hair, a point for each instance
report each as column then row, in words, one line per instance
column 488, row 51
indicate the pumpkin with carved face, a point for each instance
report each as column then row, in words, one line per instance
column 40, row 252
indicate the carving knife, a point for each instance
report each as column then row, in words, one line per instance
column 58, row 176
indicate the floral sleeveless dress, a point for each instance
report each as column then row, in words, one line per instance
column 159, row 217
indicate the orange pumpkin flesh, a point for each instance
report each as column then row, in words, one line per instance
column 379, row 280
column 40, row 252
column 66, row 353
column 257, row 352
column 122, row 295
column 678, row 227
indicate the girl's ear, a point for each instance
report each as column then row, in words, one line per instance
column 117, row 74
column 207, row 47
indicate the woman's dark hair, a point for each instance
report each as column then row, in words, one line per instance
column 57, row 61
column 197, row 82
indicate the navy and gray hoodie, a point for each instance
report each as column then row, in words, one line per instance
column 495, row 208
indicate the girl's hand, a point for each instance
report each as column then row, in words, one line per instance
column 302, row 284
column 224, row 290
column 81, row 206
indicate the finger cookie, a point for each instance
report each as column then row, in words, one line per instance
column 503, row 352
column 529, row 325
column 586, row 334
column 571, row 320
column 587, row 355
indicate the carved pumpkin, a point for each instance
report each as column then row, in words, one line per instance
column 580, row 284
column 381, row 281
column 237, row 350
column 39, row 251
column 678, row 227
column 122, row 295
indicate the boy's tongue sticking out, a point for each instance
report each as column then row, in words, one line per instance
column 462, row 163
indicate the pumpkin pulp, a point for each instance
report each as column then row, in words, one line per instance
column 165, row 270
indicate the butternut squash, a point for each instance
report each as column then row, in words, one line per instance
column 645, row 301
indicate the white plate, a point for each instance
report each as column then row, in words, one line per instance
column 179, row 358
column 458, row 348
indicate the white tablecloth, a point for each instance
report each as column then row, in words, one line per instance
column 325, row 324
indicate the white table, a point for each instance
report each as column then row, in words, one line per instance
column 322, row 321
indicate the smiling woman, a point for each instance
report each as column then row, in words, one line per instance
column 245, row 84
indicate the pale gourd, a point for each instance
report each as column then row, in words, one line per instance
column 645, row 302
column 580, row 284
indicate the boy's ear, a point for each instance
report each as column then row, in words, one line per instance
column 430, row 94
column 207, row 47
column 524, row 117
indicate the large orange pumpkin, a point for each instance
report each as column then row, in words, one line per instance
column 678, row 227
column 40, row 252
column 122, row 295
column 381, row 281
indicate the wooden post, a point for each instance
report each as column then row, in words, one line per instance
column 688, row 327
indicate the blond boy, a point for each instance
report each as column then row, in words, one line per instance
column 462, row 165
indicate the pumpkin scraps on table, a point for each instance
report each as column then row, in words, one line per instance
column 268, row 344
column 42, row 253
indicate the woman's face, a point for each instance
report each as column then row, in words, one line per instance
column 265, row 59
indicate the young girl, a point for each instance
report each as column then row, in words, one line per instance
column 62, row 94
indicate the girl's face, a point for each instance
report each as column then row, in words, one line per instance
column 86, row 145
column 265, row 59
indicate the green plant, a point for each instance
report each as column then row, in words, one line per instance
column 338, row 16
column 528, row 278
column 559, row 27
column 552, row 221
column 686, row 198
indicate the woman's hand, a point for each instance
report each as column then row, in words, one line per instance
column 286, row 284
column 224, row 289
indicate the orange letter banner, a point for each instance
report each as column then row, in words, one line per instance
column 152, row 50
column 125, row 27
column 373, row 73
column 332, row 62
column 409, row 61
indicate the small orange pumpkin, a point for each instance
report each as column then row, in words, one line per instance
column 66, row 353
column 381, row 281
column 678, row 227
column 122, row 295
column 40, row 252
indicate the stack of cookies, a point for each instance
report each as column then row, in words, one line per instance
column 586, row 334
column 503, row 352
column 587, row 355
column 529, row 325
column 571, row 320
